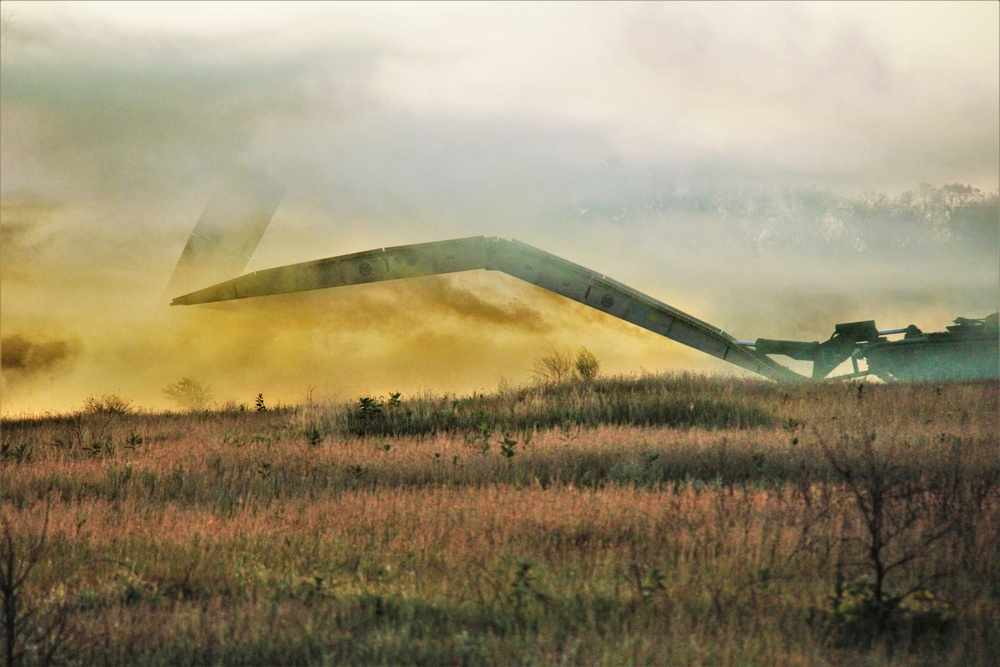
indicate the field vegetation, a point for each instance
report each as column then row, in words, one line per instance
column 661, row 520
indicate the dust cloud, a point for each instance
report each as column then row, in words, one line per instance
column 20, row 355
column 818, row 168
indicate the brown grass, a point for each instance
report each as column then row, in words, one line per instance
column 229, row 537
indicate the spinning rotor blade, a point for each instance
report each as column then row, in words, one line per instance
column 228, row 231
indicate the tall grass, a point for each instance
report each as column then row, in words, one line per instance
column 535, row 525
column 633, row 401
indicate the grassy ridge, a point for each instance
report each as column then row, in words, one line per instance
column 645, row 401
column 732, row 525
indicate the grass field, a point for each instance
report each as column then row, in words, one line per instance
column 662, row 520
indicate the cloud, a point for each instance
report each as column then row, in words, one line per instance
column 824, row 95
column 139, row 119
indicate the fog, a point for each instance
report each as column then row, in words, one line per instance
column 772, row 169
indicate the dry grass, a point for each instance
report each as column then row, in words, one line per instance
column 285, row 537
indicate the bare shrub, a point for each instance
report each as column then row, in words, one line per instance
column 900, row 514
column 110, row 403
column 558, row 365
column 553, row 367
column 32, row 629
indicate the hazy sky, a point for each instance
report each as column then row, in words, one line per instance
column 393, row 123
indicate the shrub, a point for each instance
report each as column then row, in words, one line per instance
column 553, row 367
column 587, row 365
column 110, row 403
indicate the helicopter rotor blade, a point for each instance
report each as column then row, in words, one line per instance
column 511, row 257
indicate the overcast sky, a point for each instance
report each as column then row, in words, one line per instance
column 393, row 123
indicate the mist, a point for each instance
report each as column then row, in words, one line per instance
column 770, row 169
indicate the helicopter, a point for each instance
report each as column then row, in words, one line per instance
column 968, row 350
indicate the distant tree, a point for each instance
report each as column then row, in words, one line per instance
column 974, row 215
column 190, row 394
